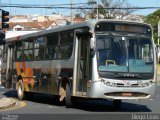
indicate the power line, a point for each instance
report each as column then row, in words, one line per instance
column 6, row 4
column 50, row 7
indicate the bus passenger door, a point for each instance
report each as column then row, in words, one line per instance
column 9, row 67
column 82, row 65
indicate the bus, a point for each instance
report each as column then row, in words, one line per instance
column 95, row 59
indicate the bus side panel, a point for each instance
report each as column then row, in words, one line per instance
column 42, row 76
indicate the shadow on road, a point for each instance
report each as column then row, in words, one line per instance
column 107, row 106
column 86, row 105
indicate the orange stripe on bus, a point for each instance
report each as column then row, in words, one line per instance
column 18, row 68
column 24, row 66
column 27, row 72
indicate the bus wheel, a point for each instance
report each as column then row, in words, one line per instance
column 20, row 90
column 68, row 96
column 117, row 104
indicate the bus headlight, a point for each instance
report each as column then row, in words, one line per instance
column 114, row 85
column 146, row 84
column 149, row 83
column 109, row 83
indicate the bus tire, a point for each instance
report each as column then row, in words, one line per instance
column 20, row 90
column 68, row 100
column 117, row 104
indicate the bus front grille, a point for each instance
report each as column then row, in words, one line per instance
column 123, row 85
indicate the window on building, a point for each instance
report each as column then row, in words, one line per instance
column 18, row 29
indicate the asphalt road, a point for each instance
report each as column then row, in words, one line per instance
column 46, row 104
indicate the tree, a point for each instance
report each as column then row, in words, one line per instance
column 153, row 19
column 116, row 4
column 103, row 12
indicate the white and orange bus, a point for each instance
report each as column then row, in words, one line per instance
column 106, row 59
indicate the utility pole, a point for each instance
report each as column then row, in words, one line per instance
column 72, row 12
column 97, row 10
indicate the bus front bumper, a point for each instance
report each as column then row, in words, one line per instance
column 100, row 90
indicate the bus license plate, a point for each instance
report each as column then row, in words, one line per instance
column 127, row 94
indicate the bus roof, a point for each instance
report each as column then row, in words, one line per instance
column 89, row 23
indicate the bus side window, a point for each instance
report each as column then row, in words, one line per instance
column 18, row 51
column 28, row 55
column 28, row 49
column 66, row 45
column 19, row 55
column 51, row 49
column 40, row 44
column 41, row 52
column 50, row 52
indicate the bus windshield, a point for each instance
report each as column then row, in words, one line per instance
column 124, row 53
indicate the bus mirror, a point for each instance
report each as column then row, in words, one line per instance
column 92, row 43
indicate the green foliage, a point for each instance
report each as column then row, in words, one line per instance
column 153, row 20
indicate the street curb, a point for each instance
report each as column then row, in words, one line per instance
column 6, row 103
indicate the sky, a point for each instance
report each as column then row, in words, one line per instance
column 145, row 3
column 27, row 11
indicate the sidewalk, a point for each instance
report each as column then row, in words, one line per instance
column 7, row 103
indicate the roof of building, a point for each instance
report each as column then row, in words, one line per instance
column 32, row 25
